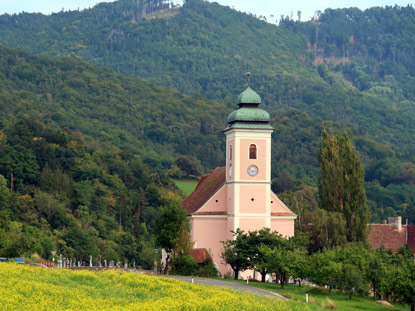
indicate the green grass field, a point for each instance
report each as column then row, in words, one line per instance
column 318, row 297
column 187, row 186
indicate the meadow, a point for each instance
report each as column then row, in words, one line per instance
column 187, row 186
column 320, row 299
column 36, row 288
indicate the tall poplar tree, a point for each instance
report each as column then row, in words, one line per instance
column 341, row 186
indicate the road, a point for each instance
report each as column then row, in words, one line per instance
column 237, row 286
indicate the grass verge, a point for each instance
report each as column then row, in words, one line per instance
column 319, row 299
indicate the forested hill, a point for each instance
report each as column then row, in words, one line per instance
column 154, row 122
column 205, row 48
column 373, row 49
column 194, row 49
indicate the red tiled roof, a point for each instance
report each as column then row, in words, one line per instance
column 200, row 254
column 287, row 213
column 386, row 235
column 411, row 237
column 211, row 213
column 207, row 186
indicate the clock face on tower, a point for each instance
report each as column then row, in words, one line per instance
column 252, row 170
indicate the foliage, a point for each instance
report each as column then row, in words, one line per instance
column 171, row 227
column 324, row 270
column 208, row 268
column 403, row 282
column 62, row 289
column 86, row 200
column 106, row 172
column 189, row 165
column 183, row 244
column 235, row 252
column 353, row 280
column 346, row 70
column 185, row 265
column 341, row 185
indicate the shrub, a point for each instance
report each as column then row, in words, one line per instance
column 208, row 268
column 185, row 265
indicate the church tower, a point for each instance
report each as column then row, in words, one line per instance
column 248, row 164
column 239, row 195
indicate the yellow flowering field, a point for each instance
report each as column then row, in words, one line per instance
column 35, row 288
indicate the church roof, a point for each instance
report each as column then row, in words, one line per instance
column 248, row 115
column 249, row 96
column 389, row 237
column 207, row 186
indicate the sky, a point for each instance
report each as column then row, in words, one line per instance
column 258, row 7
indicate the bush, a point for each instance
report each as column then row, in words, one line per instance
column 110, row 254
column 185, row 265
column 208, row 268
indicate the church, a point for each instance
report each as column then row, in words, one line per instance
column 239, row 195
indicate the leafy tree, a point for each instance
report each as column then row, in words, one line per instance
column 110, row 254
column 376, row 270
column 81, row 242
column 28, row 242
column 327, row 229
column 189, row 165
column 184, row 244
column 324, row 270
column 352, row 280
column 255, row 239
column 21, row 162
column 278, row 262
column 283, row 182
column 299, row 263
column 4, row 191
column 235, row 252
column 167, row 227
column 403, row 282
column 341, row 186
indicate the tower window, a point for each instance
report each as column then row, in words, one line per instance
column 230, row 152
column 252, row 151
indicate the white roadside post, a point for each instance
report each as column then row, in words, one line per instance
column 53, row 259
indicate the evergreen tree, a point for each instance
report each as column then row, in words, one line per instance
column 341, row 186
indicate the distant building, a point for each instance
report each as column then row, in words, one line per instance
column 392, row 235
column 239, row 195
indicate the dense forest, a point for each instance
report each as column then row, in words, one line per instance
column 59, row 192
column 110, row 141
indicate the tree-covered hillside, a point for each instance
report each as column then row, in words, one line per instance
column 205, row 48
column 159, row 124
column 154, row 122
column 373, row 49
column 59, row 192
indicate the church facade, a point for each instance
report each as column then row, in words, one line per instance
column 239, row 195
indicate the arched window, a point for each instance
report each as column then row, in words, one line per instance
column 230, row 152
column 252, row 151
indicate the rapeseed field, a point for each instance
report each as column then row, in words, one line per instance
column 35, row 288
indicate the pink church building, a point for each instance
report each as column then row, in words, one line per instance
column 239, row 195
